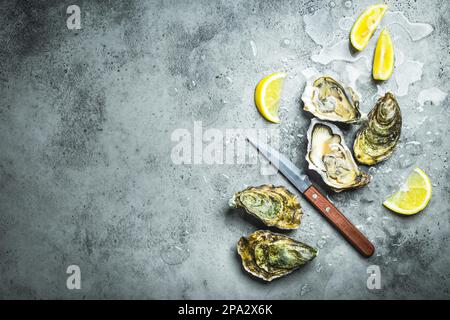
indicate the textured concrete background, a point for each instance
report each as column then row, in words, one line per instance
column 86, row 177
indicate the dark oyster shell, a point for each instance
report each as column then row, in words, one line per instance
column 376, row 141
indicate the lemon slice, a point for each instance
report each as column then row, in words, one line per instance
column 365, row 25
column 267, row 96
column 413, row 196
column 383, row 62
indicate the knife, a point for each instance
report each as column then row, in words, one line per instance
column 301, row 181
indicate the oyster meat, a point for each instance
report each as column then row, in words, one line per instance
column 269, row 255
column 377, row 139
column 274, row 206
column 329, row 156
column 328, row 100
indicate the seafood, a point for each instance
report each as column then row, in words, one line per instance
column 376, row 141
column 274, row 206
column 327, row 99
column 269, row 255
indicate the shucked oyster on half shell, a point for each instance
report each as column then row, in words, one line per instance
column 274, row 206
column 377, row 139
column 329, row 156
column 269, row 255
column 327, row 99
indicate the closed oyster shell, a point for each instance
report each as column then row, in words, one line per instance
column 376, row 141
column 329, row 156
column 269, row 255
column 274, row 206
column 327, row 99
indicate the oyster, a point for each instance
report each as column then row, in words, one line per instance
column 274, row 206
column 377, row 139
column 328, row 155
column 269, row 255
column 327, row 99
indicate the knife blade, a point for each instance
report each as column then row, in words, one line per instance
column 302, row 183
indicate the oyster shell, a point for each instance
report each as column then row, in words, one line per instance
column 328, row 100
column 328, row 155
column 269, row 255
column 377, row 139
column 274, row 206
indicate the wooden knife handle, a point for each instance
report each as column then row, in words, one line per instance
column 336, row 218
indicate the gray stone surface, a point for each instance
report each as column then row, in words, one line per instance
column 86, row 177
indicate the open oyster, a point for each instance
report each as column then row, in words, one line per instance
column 377, row 139
column 329, row 156
column 274, row 206
column 269, row 255
column 327, row 99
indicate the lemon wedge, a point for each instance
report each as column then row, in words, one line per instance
column 268, row 94
column 413, row 196
column 365, row 25
column 383, row 62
